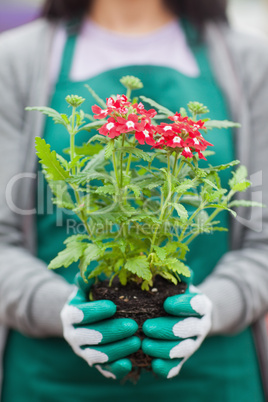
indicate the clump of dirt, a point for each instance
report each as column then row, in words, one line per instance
column 140, row 305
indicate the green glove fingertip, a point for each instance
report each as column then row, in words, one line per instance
column 116, row 370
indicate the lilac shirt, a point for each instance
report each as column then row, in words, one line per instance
column 98, row 50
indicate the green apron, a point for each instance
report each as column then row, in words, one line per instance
column 224, row 369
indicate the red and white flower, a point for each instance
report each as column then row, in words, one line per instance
column 110, row 128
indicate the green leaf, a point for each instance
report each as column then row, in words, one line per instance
column 220, row 124
column 73, row 251
column 90, row 253
column 169, row 277
column 183, row 112
column 245, row 203
column 106, row 189
column 210, row 183
column 76, row 238
column 222, row 167
column 238, row 182
column 96, row 161
column 96, row 97
column 156, row 105
column 136, row 190
column 62, row 196
column 93, row 126
column 185, row 185
column 178, row 267
column 214, row 195
column 123, row 275
column 49, row 161
column 238, row 176
column 109, row 149
column 100, row 138
column 88, row 149
column 160, row 252
column 241, row 186
column 137, row 152
column 139, row 266
column 85, row 177
column 57, row 118
column 181, row 210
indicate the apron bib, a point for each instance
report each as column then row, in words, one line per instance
column 224, row 369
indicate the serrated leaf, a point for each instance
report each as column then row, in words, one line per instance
column 100, row 138
column 123, row 275
column 136, row 190
column 106, row 189
column 49, row 161
column 184, row 186
column 178, row 267
column 109, row 149
column 92, row 126
column 71, row 254
column 222, row 167
column 137, row 152
column 210, row 183
column 96, row 161
column 90, row 253
column 214, row 195
column 63, row 162
column 221, row 124
column 57, row 117
column 241, row 186
column 85, row 177
column 181, row 210
column 238, row 176
column 76, row 238
column 156, row 105
column 219, row 229
column 96, row 97
column 63, row 198
column 88, row 149
column 160, row 252
column 139, row 266
column 183, row 112
column 245, row 203
column 169, row 277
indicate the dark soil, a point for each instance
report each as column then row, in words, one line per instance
column 132, row 302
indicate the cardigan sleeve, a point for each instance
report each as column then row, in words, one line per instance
column 238, row 286
column 31, row 296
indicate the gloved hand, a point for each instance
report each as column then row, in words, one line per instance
column 102, row 342
column 173, row 339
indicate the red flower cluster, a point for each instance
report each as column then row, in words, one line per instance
column 183, row 135
column 126, row 118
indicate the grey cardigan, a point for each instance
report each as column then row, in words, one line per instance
column 31, row 297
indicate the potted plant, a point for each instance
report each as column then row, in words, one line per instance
column 139, row 198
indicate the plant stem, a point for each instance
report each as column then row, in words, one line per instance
column 128, row 93
column 81, row 215
column 200, row 208
column 175, row 165
column 115, row 169
column 129, row 158
column 72, row 141
column 163, row 208
column 121, row 161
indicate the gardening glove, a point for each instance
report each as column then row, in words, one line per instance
column 173, row 339
column 93, row 335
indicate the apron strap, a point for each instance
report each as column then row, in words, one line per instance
column 72, row 28
column 196, row 43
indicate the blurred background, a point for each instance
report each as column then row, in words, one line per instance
column 246, row 15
